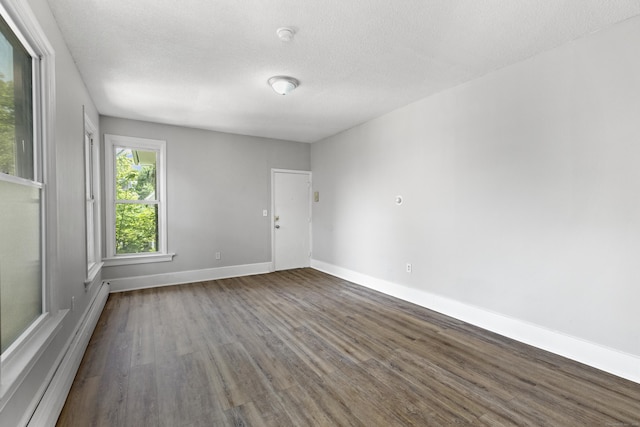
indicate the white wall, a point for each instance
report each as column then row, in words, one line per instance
column 71, row 95
column 217, row 186
column 521, row 192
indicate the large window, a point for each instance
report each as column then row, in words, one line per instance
column 136, row 215
column 21, row 260
column 29, row 310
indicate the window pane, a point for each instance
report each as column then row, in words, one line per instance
column 16, row 106
column 91, row 245
column 136, row 228
column 20, row 260
column 135, row 174
column 89, row 167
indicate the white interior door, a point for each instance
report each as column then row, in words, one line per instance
column 291, row 219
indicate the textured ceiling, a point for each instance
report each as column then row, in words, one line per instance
column 205, row 63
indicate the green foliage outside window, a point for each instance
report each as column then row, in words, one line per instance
column 7, row 127
column 136, row 221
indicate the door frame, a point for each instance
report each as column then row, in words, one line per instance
column 273, row 209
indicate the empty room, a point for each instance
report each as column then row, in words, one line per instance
column 319, row 213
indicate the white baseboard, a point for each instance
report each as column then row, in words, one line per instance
column 192, row 276
column 604, row 358
column 50, row 406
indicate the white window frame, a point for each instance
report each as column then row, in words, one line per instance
column 21, row 356
column 111, row 142
column 92, row 201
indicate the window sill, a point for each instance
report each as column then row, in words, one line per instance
column 137, row 259
column 18, row 361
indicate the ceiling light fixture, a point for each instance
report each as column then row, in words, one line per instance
column 283, row 85
column 285, row 33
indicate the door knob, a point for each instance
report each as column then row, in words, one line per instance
column 277, row 226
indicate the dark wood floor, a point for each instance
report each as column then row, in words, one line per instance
column 301, row 348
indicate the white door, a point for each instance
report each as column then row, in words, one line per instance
column 291, row 219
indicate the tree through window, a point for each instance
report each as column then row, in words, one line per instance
column 136, row 198
column 136, row 201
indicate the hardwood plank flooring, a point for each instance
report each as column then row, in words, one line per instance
column 302, row 348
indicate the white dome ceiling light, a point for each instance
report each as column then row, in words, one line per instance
column 285, row 33
column 283, row 85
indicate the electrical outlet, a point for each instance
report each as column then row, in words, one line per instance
column 408, row 268
column 217, row 255
column 265, row 212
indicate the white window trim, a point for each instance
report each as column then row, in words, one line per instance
column 92, row 165
column 18, row 360
column 160, row 146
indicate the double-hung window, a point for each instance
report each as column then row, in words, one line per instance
column 29, row 316
column 92, row 200
column 20, row 193
column 136, row 200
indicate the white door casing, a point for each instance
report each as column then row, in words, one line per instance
column 290, row 219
